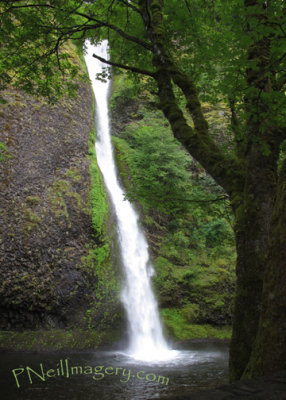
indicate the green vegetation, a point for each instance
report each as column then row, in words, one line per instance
column 185, row 215
column 55, row 339
column 4, row 152
column 103, row 309
column 98, row 196
column 179, row 328
column 158, row 169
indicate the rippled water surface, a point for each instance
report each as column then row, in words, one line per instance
column 111, row 375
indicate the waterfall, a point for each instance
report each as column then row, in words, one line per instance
column 145, row 332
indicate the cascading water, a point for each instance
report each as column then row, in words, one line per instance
column 203, row 365
column 146, row 337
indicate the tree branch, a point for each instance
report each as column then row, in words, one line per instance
column 188, row 7
column 125, row 35
column 115, row 28
column 193, row 104
column 130, row 6
column 126, row 67
column 225, row 171
column 278, row 85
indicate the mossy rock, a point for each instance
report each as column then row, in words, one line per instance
column 56, row 340
column 178, row 328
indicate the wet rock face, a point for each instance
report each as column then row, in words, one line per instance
column 45, row 217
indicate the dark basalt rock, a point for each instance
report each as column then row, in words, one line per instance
column 45, row 214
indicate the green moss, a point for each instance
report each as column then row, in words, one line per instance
column 33, row 200
column 54, row 340
column 95, row 258
column 98, row 196
column 121, row 150
column 56, row 198
column 190, row 312
column 102, row 307
column 179, row 328
column 123, row 90
column 62, row 189
column 17, row 104
column 30, row 219
column 74, row 174
column 102, row 292
column 105, row 288
column 4, row 152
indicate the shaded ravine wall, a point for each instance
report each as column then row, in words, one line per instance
column 56, row 269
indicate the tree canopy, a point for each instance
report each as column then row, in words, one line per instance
column 188, row 52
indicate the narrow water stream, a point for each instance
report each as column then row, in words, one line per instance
column 145, row 331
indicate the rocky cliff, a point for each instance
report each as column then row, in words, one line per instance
column 53, row 242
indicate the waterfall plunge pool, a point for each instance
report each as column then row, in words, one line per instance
column 108, row 375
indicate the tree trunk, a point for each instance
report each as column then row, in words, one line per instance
column 260, row 149
column 269, row 354
column 252, row 228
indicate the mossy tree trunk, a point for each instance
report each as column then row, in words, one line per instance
column 260, row 150
column 269, row 354
column 249, row 178
column 252, row 224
